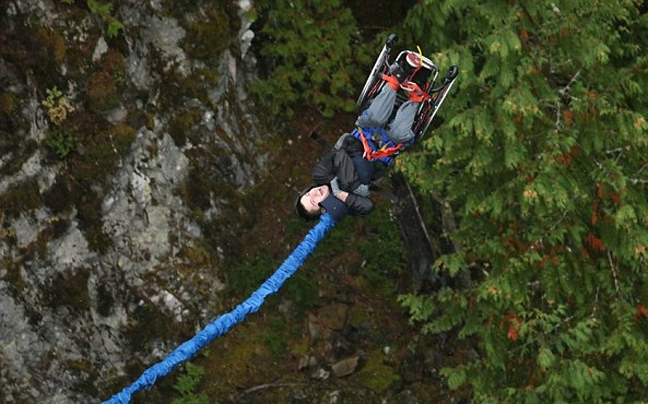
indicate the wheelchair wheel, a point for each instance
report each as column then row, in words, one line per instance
column 374, row 80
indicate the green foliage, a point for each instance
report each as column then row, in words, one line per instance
column 61, row 142
column 382, row 250
column 114, row 26
column 249, row 274
column 309, row 59
column 97, row 7
column 275, row 338
column 543, row 160
column 187, row 385
column 104, row 10
column 376, row 374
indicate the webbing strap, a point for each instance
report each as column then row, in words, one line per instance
column 384, row 151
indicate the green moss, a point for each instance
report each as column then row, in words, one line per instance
column 10, row 144
column 101, row 92
column 70, row 290
column 302, row 289
column 232, row 364
column 14, row 276
column 182, row 126
column 209, row 38
column 246, row 277
column 299, row 348
column 42, row 52
column 275, row 337
column 20, row 198
column 377, row 375
column 193, row 87
column 114, row 64
column 123, row 137
column 359, row 316
column 56, row 228
column 57, row 198
column 15, row 150
column 53, row 44
column 103, row 154
column 91, row 224
column 89, row 173
column 82, row 365
column 105, row 300
column 148, row 324
column 8, row 103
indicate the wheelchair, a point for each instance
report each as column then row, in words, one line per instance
column 425, row 76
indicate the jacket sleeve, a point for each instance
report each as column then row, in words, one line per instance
column 359, row 205
column 335, row 164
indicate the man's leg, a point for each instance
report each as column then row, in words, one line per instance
column 400, row 129
column 380, row 109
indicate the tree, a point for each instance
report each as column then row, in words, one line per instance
column 543, row 158
column 308, row 56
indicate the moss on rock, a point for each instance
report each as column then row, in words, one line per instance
column 207, row 39
column 101, row 91
column 70, row 290
column 20, row 198
column 376, row 374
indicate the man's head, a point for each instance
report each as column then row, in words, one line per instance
column 308, row 202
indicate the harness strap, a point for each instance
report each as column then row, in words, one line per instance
column 384, row 151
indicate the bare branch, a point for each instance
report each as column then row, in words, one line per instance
column 418, row 213
column 564, row 92
column 265, row 386
column 614, row 274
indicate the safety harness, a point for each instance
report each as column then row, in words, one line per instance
column 378, row 146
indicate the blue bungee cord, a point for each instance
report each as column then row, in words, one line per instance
column 223, row 323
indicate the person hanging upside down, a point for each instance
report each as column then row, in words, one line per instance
column 343, row 176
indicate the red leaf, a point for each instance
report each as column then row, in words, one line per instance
column 568, row 116
column 595, row 242
column 512, row 333
column 641, row 312
column 616, row 198
column 600, row 190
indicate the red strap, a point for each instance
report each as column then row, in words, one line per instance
column 415, row 93
column 391, row 81
column 371, row 154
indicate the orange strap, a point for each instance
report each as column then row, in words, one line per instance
column 371, row 154
column 415, row 93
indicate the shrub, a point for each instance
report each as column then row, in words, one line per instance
column 187, row 384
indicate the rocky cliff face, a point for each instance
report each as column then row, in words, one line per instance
column 105, row 115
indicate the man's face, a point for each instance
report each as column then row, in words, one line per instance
column 311, row 199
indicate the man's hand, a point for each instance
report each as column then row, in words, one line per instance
column 342, row 195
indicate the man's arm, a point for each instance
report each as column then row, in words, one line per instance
column 357, row 204
column 335, row 164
